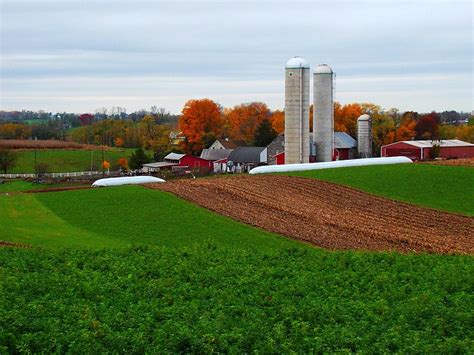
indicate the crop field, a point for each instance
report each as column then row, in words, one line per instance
column 132, row 269
column 44, row 144
column 67, row 160
column 447, row 188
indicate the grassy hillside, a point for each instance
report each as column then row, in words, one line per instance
column 130, row 269
column 446, row 188
column 63, row 160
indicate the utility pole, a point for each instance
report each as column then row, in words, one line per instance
column 103, row 168
column 36, row 168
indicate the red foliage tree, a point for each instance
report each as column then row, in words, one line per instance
column 86, row 119
column 427, row 126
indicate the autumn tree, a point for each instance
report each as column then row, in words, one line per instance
column 278, row 121
column 86, row 119
column 244, row 120
column 123, row 163
column 427, row 126
column 264, row 134
column 154, row 136
column 14, row 131
column 345, row 118
column 465, row 133
column 201, row 122
column 7, row 159
column 406, row 128
column 383, row 125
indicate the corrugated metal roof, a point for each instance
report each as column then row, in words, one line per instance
column 160, row 164
column 174, row 156
column 246, row 154
column 215, row 154
column 344, row 141
column 442, row 143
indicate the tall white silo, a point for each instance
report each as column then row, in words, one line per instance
column 297, row 75
column 364, row 136
column 323, row 116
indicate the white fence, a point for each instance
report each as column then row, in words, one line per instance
column 53, row 175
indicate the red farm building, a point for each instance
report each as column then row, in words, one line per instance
column 420, row 150
column 178, row 162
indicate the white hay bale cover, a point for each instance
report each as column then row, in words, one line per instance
column 329, row 165
column 126, row 180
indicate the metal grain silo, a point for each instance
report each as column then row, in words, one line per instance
column 297, row 111
column 323, row 117
column 364, row 136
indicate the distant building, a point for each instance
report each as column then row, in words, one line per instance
column 175, row 161
column 345, row 147
column 420, row 150
column 223, row 143
column 218, row 157
column 176, row 137
column 243, row 159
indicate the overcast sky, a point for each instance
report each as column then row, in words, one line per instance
column 73, row 55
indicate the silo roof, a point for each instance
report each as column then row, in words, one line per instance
column 323, row 69
column 296, row 63
column 364, row 117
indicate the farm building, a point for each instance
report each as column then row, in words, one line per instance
column 420, row 150
column 345, row 147
column 175, row 161
column 223, row 143
column 218, row 157
column 243, row 159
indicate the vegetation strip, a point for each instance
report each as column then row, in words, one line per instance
column 329, row 215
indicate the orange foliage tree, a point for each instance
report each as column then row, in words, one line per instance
column 244, row 119
column 406, row 129
column 278, row 121
column 118, row 142
column 123, row 163
column 201, row 122
column 106, row 165
column 345, row 118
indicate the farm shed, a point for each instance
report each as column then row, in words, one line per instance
column 345, row 147
column 218, row 157
column 245, row 158
column 420, row 150
column 187, row 160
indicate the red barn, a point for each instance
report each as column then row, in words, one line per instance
column 420, row 150
column 187, row 160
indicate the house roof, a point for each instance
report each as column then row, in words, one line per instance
column 344, row 141
column 174, row 156
column 246, row 154
column 215, row 154
column 227, row 143
column 442, row 143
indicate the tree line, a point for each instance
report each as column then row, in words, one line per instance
column 203, row 121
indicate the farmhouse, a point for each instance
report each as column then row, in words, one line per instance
column 223, row 143
column 420, row 150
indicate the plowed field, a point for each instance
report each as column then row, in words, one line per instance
column 329, row 215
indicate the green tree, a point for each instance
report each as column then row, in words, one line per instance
column 264, row 134
column 7, row 159
column 138, row 158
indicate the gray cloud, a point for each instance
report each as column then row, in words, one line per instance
column 79, row 55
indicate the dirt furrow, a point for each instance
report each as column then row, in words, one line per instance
column 329, row 215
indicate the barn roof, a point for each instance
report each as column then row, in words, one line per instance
column 215, row 154
column 174, row 156
column 442, row 143
column 227, row 143
column 344, row 141
column 246, row 154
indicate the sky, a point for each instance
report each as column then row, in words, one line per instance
column 81, row 55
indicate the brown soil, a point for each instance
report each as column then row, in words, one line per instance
column 328, row 215
column 4, row 244
column 22, row 144
column 454, row 162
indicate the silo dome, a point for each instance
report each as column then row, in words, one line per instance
column 296, row 63
column 364, row 117
column 323, row 69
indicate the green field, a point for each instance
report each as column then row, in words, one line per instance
column 64, row 160
column 448, row 188
column 130, row 269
